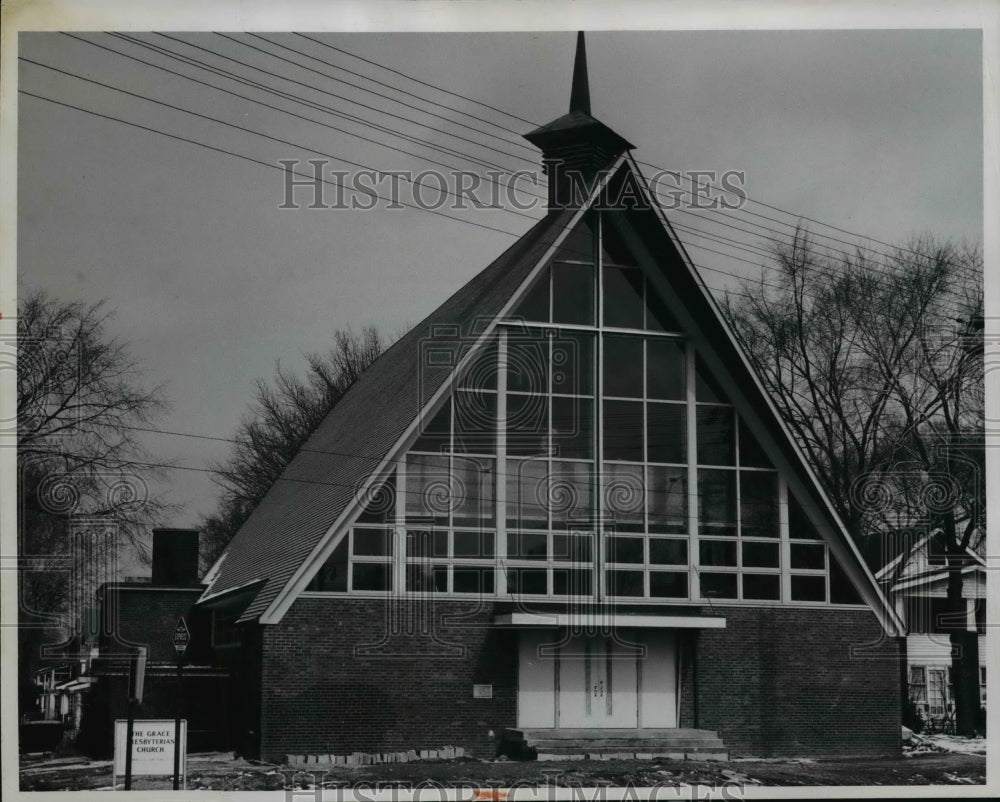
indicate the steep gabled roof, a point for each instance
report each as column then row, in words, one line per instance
column 913, row 568
column 354, row 439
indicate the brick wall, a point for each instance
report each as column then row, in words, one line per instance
column 372, row 675
column 775, row 681
column 146, row 616
column 780, row 681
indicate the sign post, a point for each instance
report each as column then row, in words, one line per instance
column 136, row 678
column 182, row 637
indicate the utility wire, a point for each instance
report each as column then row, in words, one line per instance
column 893, row 248
column 697, row 232
column 704, row 234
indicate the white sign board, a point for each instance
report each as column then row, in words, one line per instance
column 152, row 747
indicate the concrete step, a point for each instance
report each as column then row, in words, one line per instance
column 611, row 744
column 624, row 745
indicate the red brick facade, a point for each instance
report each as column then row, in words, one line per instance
column 774, row 681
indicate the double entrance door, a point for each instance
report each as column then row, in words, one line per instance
column 627, row 679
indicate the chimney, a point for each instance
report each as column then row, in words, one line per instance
column 576, row 146
column 175, row 557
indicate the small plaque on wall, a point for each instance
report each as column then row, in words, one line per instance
column 482, row 691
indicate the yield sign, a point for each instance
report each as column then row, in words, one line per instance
column 182, row 636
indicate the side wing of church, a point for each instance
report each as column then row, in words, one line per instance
column 560, row 510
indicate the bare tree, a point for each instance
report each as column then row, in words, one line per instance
column 282, row 416
column 875, row 362
column 81, row 470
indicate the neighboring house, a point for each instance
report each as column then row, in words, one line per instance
column 916, row 583
column 561, row 505
column 144, row 614
column 62, row 687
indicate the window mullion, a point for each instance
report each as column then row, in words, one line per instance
column 500, row 491
column 786, row 550
column 692, row 474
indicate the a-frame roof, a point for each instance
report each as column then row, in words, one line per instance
column 372, row 424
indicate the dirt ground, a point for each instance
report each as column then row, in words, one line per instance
column 219, row 772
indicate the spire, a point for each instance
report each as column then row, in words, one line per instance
column 579, row 99
column 576, row 147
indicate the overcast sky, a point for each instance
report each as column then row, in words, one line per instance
column 876, row 132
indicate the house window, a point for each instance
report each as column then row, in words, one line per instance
column 938, row 692
column 918, row 687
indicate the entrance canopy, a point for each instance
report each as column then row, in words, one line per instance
column 599, row 621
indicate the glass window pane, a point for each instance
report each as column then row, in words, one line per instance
column 624, row 496
column 475, row 422
column 573, row 294
column 426, row 578
column 474, row 544
column 668, row 585
column 573, row 360
column 624, row 549
column 527, row 546
column 527, row 425
column 572, row 581
column 716, row 502
column 665, row 368
column 371, row 576
column 473, row 580
column 424, row 543
column 623, row 304
column 666, row 432
column 372, row 542
column 759, row 504
column 716, row 436
column 625, row 583
column 381, row 506
column 658, row 317
column 668, row 551
column 622, row 366
column 799, row 525
column 751, row 454
column 760, row 555
column 570, row 495
column 527, row 494
column 436, row 436
column 808, row 555
column 718, row 586
column 613, row 248
column 576, row 548
column 333, row 575
column 762, row 586
column 573, row 428
column 842, row 590
column 534, row 306
column 578, row 244
column 667, row 499
column 527, row 362
column 623, row 425
column 717, row 552
column 429, row 490
column 706, row 387
column 527, row 580
column 474, row 479
column 481, row 372
column 808, row 588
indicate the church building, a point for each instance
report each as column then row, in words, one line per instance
column 560, row 511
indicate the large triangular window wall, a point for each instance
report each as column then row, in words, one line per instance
column 586, row 451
